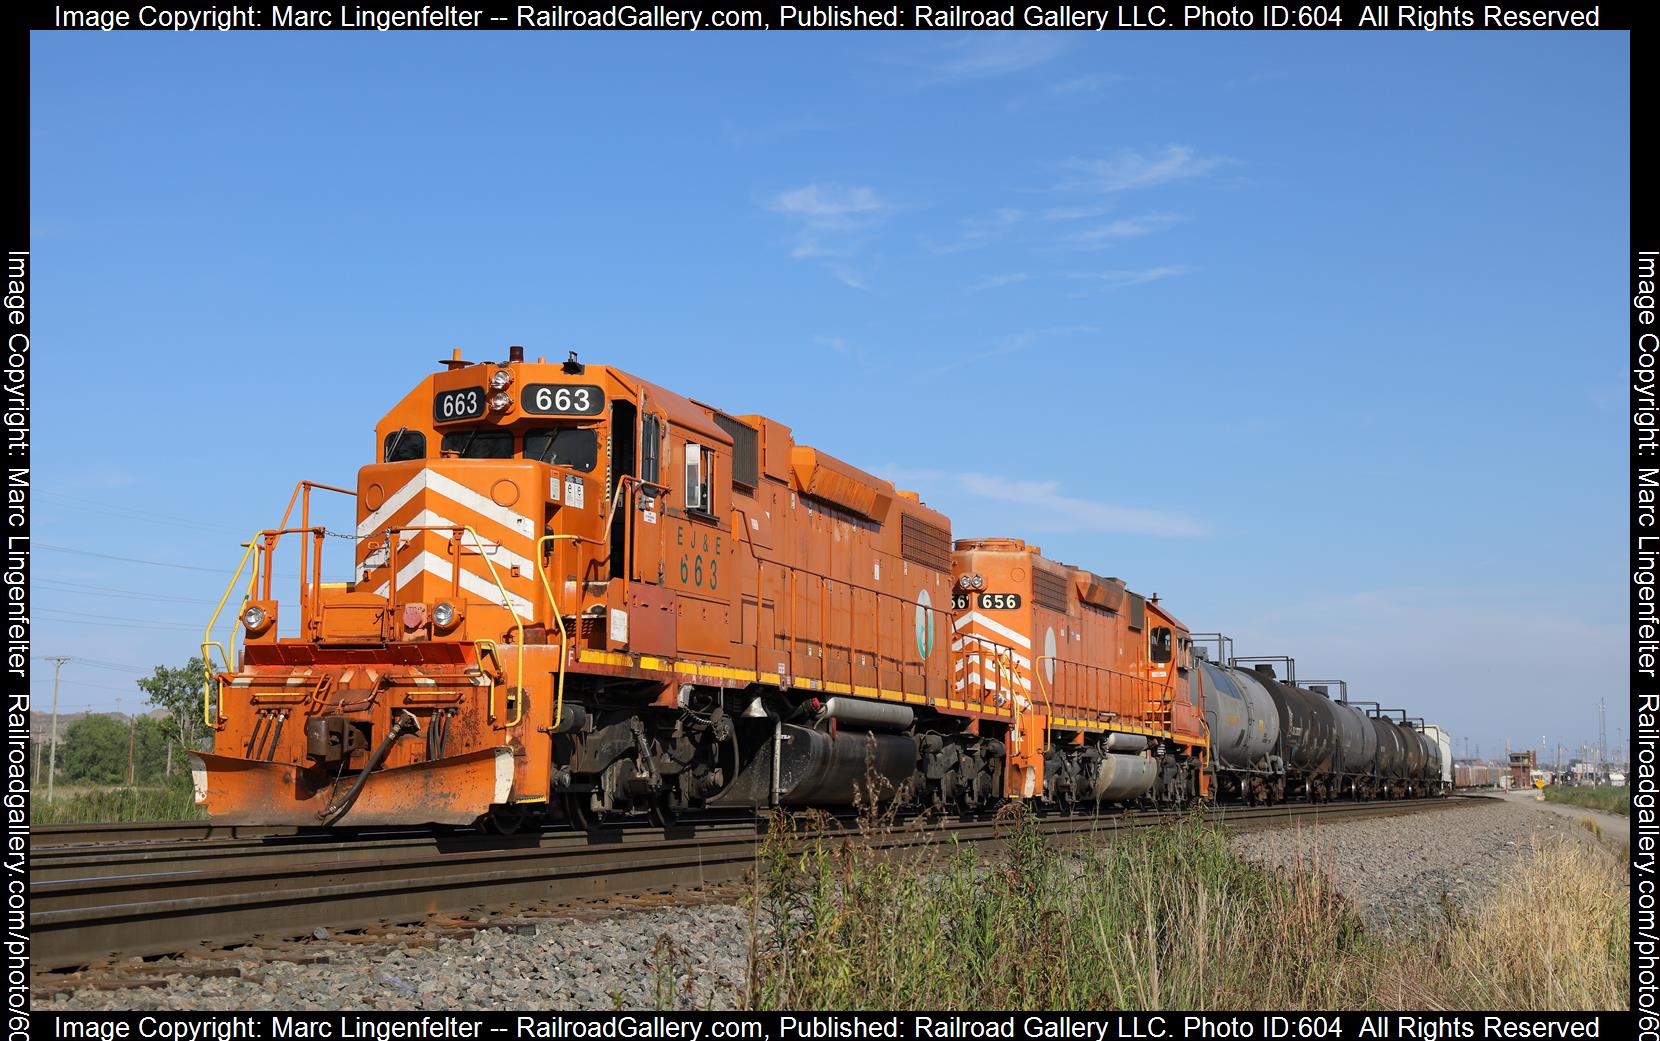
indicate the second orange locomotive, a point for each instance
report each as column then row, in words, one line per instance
column 575, row 590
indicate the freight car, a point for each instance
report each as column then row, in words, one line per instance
column 1274, row 739
column 1476, row 775
column 576, row 592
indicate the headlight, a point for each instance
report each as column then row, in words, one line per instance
column 977, row 582
column 501, row 379
column 965, row 582
column 444, row 615
column 254, row 618
column 501, row 402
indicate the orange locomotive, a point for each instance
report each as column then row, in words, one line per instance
column 577, row 591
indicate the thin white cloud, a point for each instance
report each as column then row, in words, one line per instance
column 849, row 276
column 1052, row 511
column 1013, row 278
column 981, row 55
column 832, row 224
column 1088, row 84
column 1100, row 235
column 827, row 202
column 1120, row 279
column 976, row 232
column 1063, row 213
column 1129, row 169
column 1044, row 508
column 1519, row 686
column 1014, row 344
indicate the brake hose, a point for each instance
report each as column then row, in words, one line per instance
column 404, row 724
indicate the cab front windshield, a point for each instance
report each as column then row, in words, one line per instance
column 573, row 447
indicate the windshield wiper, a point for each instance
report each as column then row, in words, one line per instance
column 393, row 447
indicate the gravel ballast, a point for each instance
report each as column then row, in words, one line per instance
column 620, row 960
column 1398, row 871
column 1401, row 873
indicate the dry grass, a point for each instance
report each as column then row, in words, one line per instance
column 1164, row 919
column 1554, row 936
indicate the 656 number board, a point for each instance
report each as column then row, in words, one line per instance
column 986, row 601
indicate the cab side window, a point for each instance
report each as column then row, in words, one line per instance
column 700, row 478
column 402, row 445
column 1160, row 644
column 650, row 436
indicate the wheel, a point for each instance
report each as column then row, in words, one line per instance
column 504, row 820
column 579, row 811
column 661, row 812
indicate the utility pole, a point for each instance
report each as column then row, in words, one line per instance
column 1602, row 736
column 52, row 756
column 132, row 735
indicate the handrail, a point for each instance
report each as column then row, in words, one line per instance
column 209, row 716
column 553, row 606
column 506, row 601
column 1104, row 671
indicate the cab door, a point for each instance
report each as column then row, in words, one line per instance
column 698, row 548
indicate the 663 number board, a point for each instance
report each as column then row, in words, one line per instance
column 562, row 399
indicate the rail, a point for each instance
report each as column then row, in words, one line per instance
column 88, row 902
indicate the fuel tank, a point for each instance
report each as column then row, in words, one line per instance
column 1243, row 722
column 819, row 768
column 1124, row 777
column 1308, row 729
column 1357, row 740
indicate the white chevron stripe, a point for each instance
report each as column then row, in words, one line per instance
column 377, row 520
column 498, row 554
column 464, row 496
column 999, row 628
column 446, row 488
column 958, row 645
column 433, row 564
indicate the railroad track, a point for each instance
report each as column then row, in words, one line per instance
column 160, row 888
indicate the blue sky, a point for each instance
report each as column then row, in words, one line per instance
column 1320, row 337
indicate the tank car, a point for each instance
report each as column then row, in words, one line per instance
column 1244, row 725
column 1273, row 739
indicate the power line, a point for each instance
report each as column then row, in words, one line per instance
column 132, row 594
column 118, row 621
column 94, row 506
column 96, row 686
column 97, row 663
column 130, row 560
column 275, row 576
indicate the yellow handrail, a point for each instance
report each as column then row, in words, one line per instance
column 208, row 714
column 553, row 605
column 506, row 601
column 518, row 623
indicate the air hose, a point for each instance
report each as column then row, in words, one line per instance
column 404, row 724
